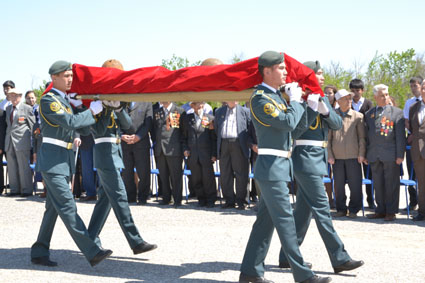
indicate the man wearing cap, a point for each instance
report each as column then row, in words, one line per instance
column 108, row 162
column 310, row 165
column 274, row 120
column 20, row 120
column 346, row 153
column 56, row 164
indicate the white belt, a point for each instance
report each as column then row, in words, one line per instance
column 67, row 145
column 275, row 152
column 110, row 140
column 311, row 142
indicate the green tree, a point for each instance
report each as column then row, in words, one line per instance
column 175, row 63
column 39, row 91
column 337, row 75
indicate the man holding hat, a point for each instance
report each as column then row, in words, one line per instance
column 274, row 120
column 346, row 153
column 310, row 165
column 108, row 162
column 20, row 120
column 56, row 163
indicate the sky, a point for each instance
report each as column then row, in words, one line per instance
column 141, row 33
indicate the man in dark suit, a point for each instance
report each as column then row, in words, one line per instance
column 362, row 105
column 6, row 86
column 200, row 149
column 168, row 150
column 136, row 146
column 386, row 143
column 417, row 129
column 20, row 121
column 231, row 124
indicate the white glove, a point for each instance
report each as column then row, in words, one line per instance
column 322, row 108
column 73, row 101
column 313, row 101
column 96, row 107
column 293, row 91
column 113, row 104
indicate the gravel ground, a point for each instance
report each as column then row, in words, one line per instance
column 200, row 245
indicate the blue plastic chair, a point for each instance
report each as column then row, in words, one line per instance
column 217, row 175
column 186, row 173
column 154, row 173
column 406, row 183
column 367, row 181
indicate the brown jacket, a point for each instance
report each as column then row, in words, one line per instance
column 418, row 132
column 349, row 142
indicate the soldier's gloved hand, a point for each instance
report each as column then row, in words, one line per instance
column 293, row 91
column 313, row 101
column 96, row 107
column 73, row 100
column 322, row 108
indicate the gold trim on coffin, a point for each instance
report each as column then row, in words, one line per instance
column 213, row 95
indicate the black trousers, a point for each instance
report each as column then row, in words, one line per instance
column 203, row 179
column 350, row 171
column 386, row 184
column 233, row 165
column 1, row 174
column 170, row 172
column 412, row 176
column 136, row 156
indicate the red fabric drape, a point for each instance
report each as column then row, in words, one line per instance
column 235, row 77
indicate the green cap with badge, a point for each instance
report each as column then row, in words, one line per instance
column 59, row 67
column 270, row 58
column 314, row 65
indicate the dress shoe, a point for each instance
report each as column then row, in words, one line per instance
column 143, row 247
column 88, row 198
column 243, row 278
column 12, row 194
column 241, row 206
column 390, row 217
column 352, row 215
column 210, row 205
column 177, row 204
column 43, row 260
column 228, row 205
column 1, row 191
column 340, row 214
column 317, row 279
column 24, row 195
column 42, row 195
column 349, row 265
column 141, row 202
column 286, row 265
column 375, row 216
column 419, row 217
column 202, row 203
column 164, row 202
column 100, row 256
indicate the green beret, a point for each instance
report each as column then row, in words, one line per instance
column 59, row 67
column 315, row 66
column 270, row 58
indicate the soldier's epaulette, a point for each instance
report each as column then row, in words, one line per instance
column 50, row 94
column 259, row 92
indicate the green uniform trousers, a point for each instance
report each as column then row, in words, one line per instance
column 60, row 201
column 274, row 210
column 312, row 200
column 112, row 193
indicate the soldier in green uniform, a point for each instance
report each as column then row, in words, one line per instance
column 273, row 121
column 108, row 162
column 56, row 163
column 310, row 165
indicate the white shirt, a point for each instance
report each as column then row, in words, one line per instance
column 409, row 104
column 167, row 110
column 207, row 108
column 357, row 105
column 421, row 113
column 229, row 130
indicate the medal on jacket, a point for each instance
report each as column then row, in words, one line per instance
column 205, row 122
column 173, row 120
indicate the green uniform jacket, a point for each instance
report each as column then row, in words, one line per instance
column 59, row 122
column 109, row 123
column 273, row 121
column 314, row 159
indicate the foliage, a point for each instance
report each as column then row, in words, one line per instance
column 39, row 91
column 176, row 63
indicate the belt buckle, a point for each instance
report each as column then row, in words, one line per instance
column 325, row 144
column 118, row 141
column 289, row 154
column 69, row 145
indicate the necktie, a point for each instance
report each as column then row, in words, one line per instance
column 417, row 99
column 11, row 114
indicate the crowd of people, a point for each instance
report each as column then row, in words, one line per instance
column 165, row 136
